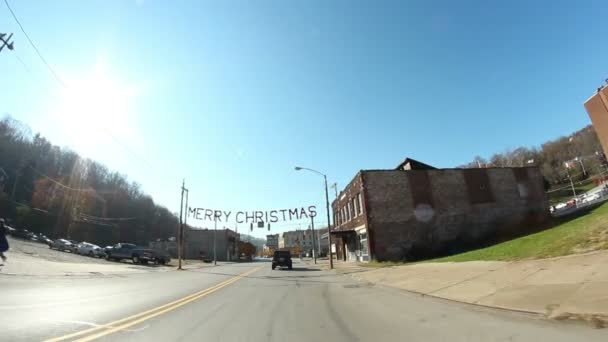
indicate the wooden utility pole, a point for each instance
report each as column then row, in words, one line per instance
column 180, row 228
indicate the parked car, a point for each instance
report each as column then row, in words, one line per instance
column 42, row 239
column 281, row 259
column 137, row 254
column 10, row 230
column 591, row 198
column 89, row 249
column 23, row 234
column 73, row 246
column 61, row 245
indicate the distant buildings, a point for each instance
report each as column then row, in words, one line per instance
column 300, row 241
column 597, row 108
column 199, row 244
column 272, row 242
column 416, row 211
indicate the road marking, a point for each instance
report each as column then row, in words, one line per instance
column 142, row 316
column 97, row 325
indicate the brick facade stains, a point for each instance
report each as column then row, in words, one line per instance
column 423, row 213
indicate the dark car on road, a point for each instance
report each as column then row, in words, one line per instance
column 137, row 254
column 281, row 259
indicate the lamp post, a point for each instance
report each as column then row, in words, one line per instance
column 331, row 257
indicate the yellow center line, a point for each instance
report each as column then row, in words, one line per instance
column 112, row 326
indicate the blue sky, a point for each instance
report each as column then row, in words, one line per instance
column 231, row 95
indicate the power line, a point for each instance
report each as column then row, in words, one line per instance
column 64, row 85
column 34, row 46
column 59, row 183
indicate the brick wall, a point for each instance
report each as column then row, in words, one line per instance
column 597, row 108
column 350, row 193
column 460, row 209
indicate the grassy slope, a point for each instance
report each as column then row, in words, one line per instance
column 585, row 233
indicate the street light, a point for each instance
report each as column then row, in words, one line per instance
column 331, row 257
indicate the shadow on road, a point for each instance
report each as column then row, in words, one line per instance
column 288, row 276
column 302, row 269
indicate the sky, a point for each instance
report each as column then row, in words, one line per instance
column 231, row 95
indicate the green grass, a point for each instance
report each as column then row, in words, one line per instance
column 584, row 233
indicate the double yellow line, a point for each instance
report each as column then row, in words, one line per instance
column 109, row 328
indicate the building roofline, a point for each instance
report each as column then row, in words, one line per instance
column 597, row 91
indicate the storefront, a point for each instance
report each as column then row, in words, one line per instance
column 351, row 245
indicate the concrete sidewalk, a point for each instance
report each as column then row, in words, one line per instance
column 570, row 287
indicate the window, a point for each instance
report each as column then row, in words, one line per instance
column 363, row 244
column 347, row 212
column 350, row 210
column 360, row 203
column 355, row 210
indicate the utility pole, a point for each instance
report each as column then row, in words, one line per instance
column 331, row 254
column 214, row 244
column 580, row 160
column 573, row 191
column 236, row 230
column 17, row 176
column 312, row 226
column 335, row 186
column 185, row 222
column 180, row 228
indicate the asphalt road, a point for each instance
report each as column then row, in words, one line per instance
column 249, row 302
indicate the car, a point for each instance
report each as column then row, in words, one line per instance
column 89, row 249
column 42, row 239
column 591, row 198
column 73, row 246
column 23, row 234
column 137, row 254
column 281, row 259
column 99, row 252
column 61, row 245
column 10, row 230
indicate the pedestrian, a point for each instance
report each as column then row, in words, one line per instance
column 3, row 240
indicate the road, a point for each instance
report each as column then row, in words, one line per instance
column 250, row 302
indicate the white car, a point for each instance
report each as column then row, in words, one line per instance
column 86, row 248
column 590, row 198
column 560, row 206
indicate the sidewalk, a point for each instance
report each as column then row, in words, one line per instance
column 570, row 287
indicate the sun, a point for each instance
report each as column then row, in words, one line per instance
column 95, row 104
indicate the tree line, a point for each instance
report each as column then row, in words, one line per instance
column 578, row 156
column 54, row 191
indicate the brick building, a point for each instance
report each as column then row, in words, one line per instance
column 597, row 108
column 416, row 211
